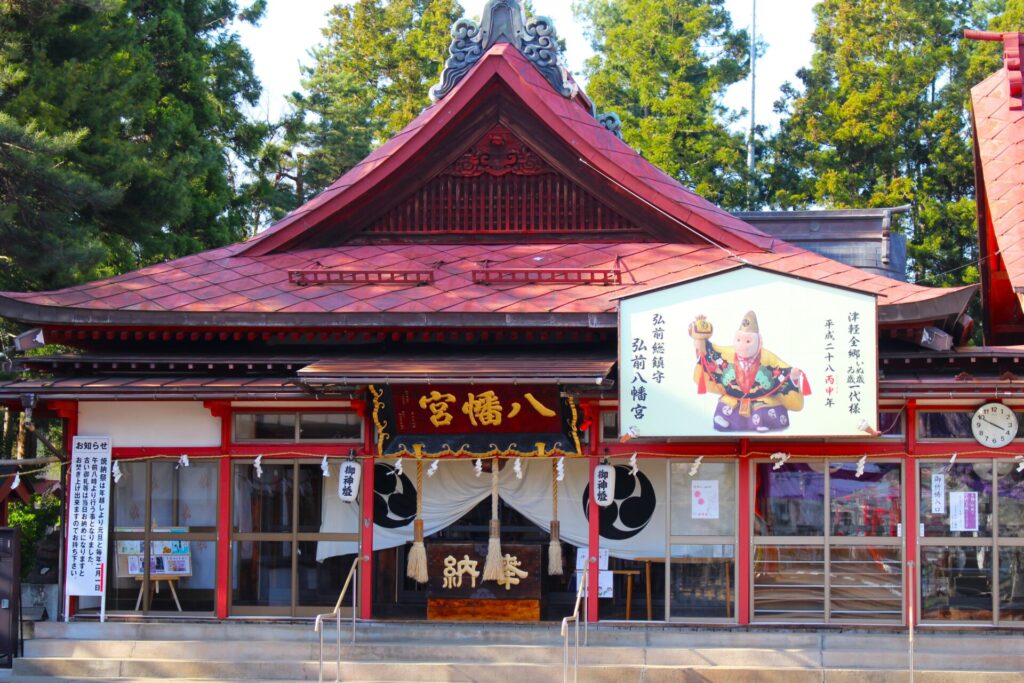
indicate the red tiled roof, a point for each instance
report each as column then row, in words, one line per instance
column 999, row 131
column 249, row 284
column 597, row 148
column 224, row 281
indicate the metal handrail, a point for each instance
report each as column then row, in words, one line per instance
column 575, row 619
column 318, row 627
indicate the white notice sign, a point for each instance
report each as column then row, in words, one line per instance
column 705, row 499
column 605, row 585
column 88, row 509
column 938, row 494
column 963, row 511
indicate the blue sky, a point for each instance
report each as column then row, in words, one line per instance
column 292, row 27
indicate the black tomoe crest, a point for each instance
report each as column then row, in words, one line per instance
column 631, row 510
column 394, row 498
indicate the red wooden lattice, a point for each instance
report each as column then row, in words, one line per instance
column 557, row 276
column 501, row 186
column 305, row 278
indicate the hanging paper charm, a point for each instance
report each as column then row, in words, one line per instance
column 258, row 466
column 116, row 471
column 560, row 470
column 182, row 461
column 17, row 481
column 325, row 468
column 398, row 468
column 695, row 467
column 604, row 485
column 633, row 466
column 432, row 470
column 517, row 467
column 478, row 467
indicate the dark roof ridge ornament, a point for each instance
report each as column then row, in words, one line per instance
column 505, row 21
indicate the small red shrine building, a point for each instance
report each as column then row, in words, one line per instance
column 451, row 306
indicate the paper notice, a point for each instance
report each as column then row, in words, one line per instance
column 963, row 511
column 938, row 494
column 704, row 499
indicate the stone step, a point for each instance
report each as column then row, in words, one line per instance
column 495, row 673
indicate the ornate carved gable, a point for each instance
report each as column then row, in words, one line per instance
column 500, row 186
column 498, row 153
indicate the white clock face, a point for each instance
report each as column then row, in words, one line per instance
column 994, row 425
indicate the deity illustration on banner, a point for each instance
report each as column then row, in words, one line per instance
column 757, row 390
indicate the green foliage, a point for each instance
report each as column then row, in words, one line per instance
column 370, row 77
column 138, row 104
column 882, row 120
column 36, row 520
column 664, row 65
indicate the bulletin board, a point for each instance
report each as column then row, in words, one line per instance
column 168, row 558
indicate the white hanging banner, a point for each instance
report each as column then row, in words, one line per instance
column 632, row 525
column 88, row 514
column 348, row 481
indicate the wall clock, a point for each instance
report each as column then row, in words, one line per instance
column 994, row 425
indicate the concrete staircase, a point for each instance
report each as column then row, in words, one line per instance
column 484, row 653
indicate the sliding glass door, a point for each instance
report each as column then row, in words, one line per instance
column 828, row 543
column 289, row 556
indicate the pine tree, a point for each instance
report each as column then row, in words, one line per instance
column 41, row 194
column 663, row 66
column 370, row 77
column 882, row 120
column 156, row 91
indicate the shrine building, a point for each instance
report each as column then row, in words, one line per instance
column 505, row 330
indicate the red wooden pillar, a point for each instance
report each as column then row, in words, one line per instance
column 366, row 543
column 745, row 541
column 911, row 500
column 69, row 413
column 222, row 592
column 594, row 547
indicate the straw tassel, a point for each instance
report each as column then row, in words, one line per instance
column 555, row 547
column 493, row 563
column 417, row 566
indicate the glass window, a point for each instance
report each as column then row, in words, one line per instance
column 868, row 505
column 263, row 503
column 185, row 497
column 320, row 582
column 1011, row 501
column 1011, row 584
column 956, row 583
column 945, row 425
column 790, row 501
column 702, row 583
column 609, row 426
column 330, row 427
column 956, row 500
column 892, row 423
column 265, row 427
column 263, row 574
column 705, row 504
column 789, row 583
column 866, row 583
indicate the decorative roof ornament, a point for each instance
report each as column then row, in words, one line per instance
column 504, row 21
column 611, row 121
column 1013, row 56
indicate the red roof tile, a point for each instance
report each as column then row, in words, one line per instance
column 644, row 265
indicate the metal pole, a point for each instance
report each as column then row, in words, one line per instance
column 910, row 620
column 753, row 99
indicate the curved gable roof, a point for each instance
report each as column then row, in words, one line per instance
column 598, row 150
